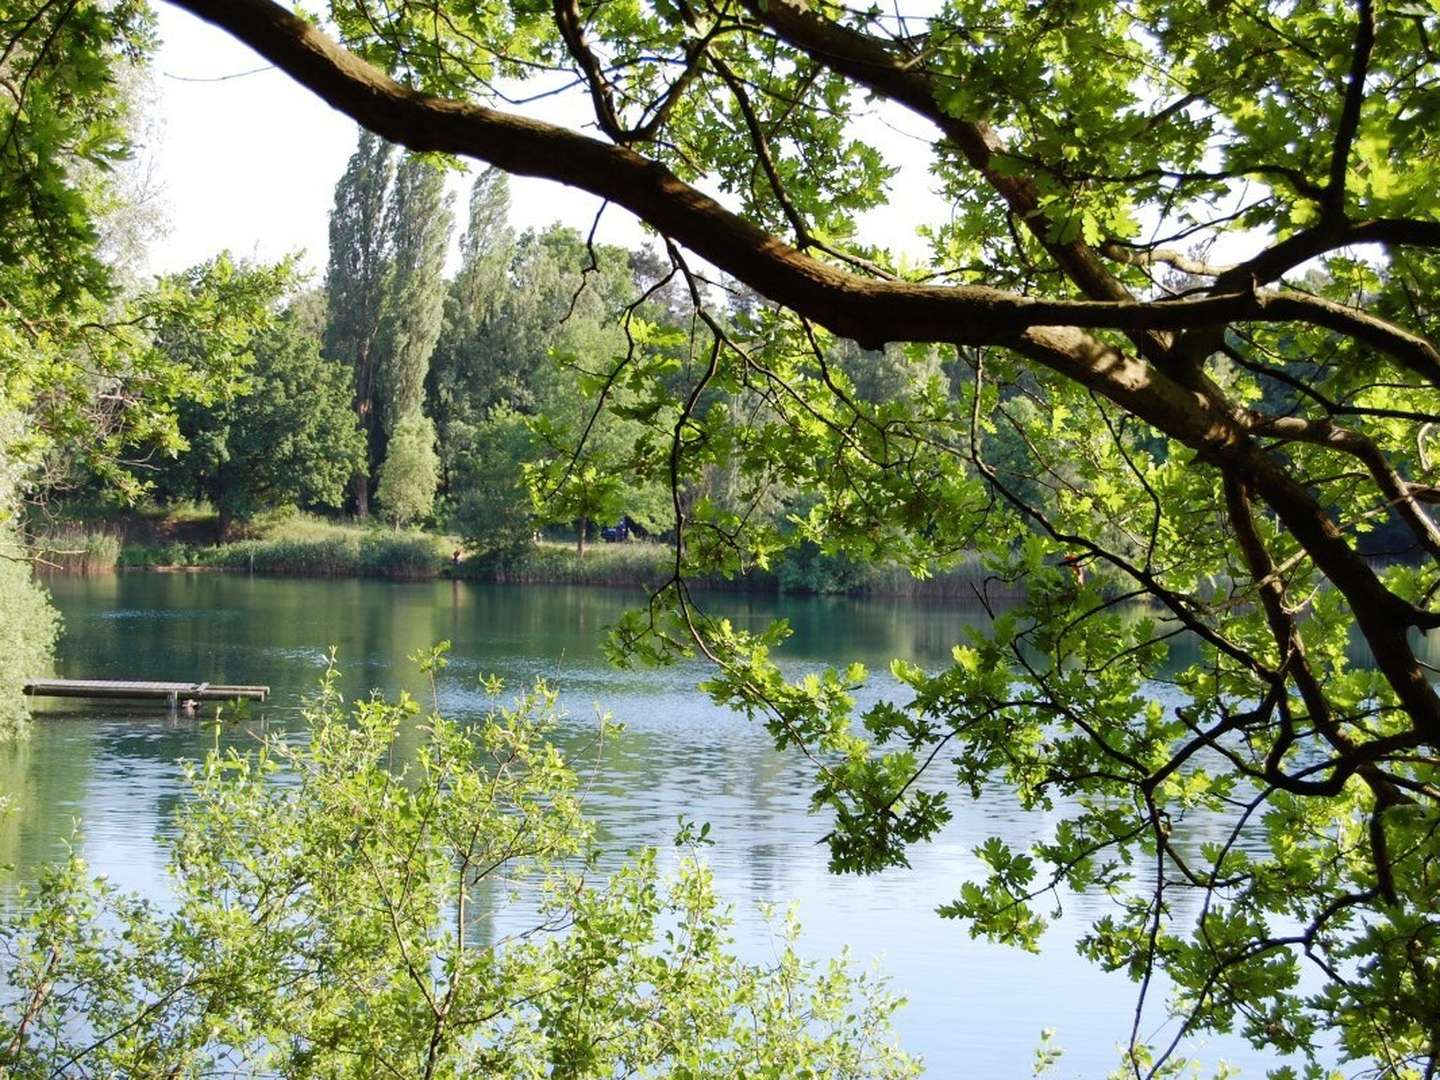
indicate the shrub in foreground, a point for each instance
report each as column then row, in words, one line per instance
column 29, row 625
column 336, row 917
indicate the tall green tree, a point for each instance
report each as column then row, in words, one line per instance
column 546, row 342
column 508, row 308
column 486, row 248
column 469, row 371
column 357, row 283
column 490, row 505
column 389, row 235
column 287, row 437
column 410, row 473
column 419, row 222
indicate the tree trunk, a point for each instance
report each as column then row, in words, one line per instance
column 360, row 483
column 224, row 512
column 580, row 540
column 365, row 414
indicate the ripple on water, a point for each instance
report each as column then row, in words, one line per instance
column 160, row 614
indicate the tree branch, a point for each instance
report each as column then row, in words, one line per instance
column 871, row 312
column 871, row 62
column 1334, row 201
column 1391, row 484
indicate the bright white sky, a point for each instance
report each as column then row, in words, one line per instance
column 249, row 163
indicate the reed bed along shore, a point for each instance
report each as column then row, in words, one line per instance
column 304, row 549
column 75, row 550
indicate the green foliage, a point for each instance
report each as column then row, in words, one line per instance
column 418, row 223
column 65, row 126
column 348, row 553
column 491, row 507
column 83, row 352
column 287, row 436
column 1111, row 417
column 1234, row 829
column 100, row 386
column 641, row 566
column 400, row 556
column 476, row 365
column 29, row 626
column 808, row 569
column 337, row 556
column 411, row 473
column 171, row 554
column 389, row 232
column 333, row 914
column 356, row 278
column 527, row 321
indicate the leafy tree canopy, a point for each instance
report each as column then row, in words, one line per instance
column 90, row 359
column 389, row 231
column 527, row 319
column 1216, row 441
column 65, row 128
column 420, row 226
column 287, row 436
column 411, row 472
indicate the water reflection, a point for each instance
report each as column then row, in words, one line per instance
column 974, row 1008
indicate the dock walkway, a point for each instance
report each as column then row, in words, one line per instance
column 172, row 692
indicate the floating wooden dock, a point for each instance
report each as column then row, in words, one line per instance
column 174, row 693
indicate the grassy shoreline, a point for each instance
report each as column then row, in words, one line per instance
column 309, row 547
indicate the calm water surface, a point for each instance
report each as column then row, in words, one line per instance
column 974, row 1009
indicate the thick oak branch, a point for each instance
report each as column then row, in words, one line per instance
column 871, row 312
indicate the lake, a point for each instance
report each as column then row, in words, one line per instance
column 974, row 1009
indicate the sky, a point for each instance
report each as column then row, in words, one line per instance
column 246, row 160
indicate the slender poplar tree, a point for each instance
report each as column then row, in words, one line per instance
column 464, row 381
column 356, row 280
column 486, row 249
column 418, row 221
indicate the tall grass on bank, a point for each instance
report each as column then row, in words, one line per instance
column 557, row 564
column 74, row 550
column 647, row 564
column 304, row 547
column 401, row 555
column 168, row 555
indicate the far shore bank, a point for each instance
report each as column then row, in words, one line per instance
column 307, row 547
